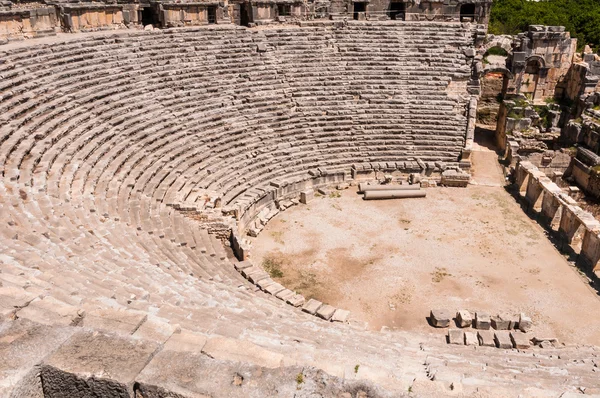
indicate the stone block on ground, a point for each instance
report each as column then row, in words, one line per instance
column 440, row 318
column 274, row 288
column 482, row 321
column 502, row 339
column 340, row 315
column 307, row 196
column 486, row 338
column 324, row 191
column 456, row 336
column 471, row 338
column 545, row 342
column 296, row 300
column 525, row 323
column 312, row 306
column 325, row 312
column 520, row 340
column 500, row 322
column 95, row 364
column 464, row 319
column 285, row 294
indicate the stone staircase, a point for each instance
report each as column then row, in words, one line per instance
column 115, row 150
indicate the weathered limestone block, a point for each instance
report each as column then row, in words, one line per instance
column 274, row 289
column 307, row 196
column 23, row 345
column 569, row 223
column 534, row 189
column 522, row 175
column 550, row 207
column 456, row 336
column 525, row 323
column 285, row 295
column 519, row 340
column 95, row 364
column 590, row 250
column 114, row 320
column 486, row 338
column 340, row 315
column 464, row 319
column 12, row 299
column 50, row 311
column 482, row 321
column 241, row 351
column 325, row 312
column 502, row 339
column 455, row 178
column 296, row 300
column 312, row 306
column 471, row 338
column 500, row 322
column 440, row 318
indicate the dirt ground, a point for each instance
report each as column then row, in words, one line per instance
column 391, row 262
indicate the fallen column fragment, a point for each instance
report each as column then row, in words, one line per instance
column 362, row 187
column 373, row 195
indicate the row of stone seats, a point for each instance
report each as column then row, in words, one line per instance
column 403, row 148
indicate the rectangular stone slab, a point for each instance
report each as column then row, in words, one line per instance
column 23, row 345
column 502, row 339
column 312, row 306
column 114, row 320
column 520, row 340
column 440, row 318
column 471, row 338
column 464, row 319
column 482, row 321
column 325, row 312
column 340, row 315
column 274, row 288
column 525, row 323
column 500, row 322
column 486, row 338
column 241, row 351
column 456, row 336
column 95, row 364
column 285, row 294
column 296, row 300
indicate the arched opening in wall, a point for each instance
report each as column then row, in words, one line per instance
column 467, row 12
column 530, row 78
column 149, row 17
column 359, row 11
column 397, row 11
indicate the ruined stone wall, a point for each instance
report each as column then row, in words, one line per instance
column 27, row 23
column 85, row 16
column 541, row 59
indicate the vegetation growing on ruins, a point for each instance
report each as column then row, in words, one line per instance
column 273, row 267
column 580, row 17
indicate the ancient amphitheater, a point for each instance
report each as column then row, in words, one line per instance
column 136, row 160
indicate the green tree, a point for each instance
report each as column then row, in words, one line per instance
column 580, row 17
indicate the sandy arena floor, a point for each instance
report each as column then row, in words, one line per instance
column 390, row 262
